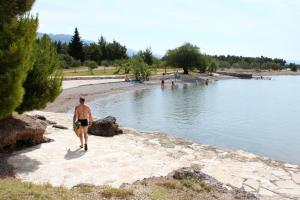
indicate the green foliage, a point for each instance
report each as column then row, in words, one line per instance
column 123, row 65
column 106, row 63
column 76, row 47
column 93, row 52
column 146, row 56
column 140, row 69
column 293, row 67
column 258, row 63
column 43, row 82
column 186, row 56
column 115, row 51
column 12, row 8
column 17, row 37
column 91, row 65
column 62, row 48
column 212, row 65
column 67, row 61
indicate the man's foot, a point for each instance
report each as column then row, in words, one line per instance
column 81, row 146
column 85, row 147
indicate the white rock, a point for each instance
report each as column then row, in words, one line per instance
column 296, row 177
column 252, row 183
column 287, row 184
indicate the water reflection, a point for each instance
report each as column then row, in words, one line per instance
column 254, row 115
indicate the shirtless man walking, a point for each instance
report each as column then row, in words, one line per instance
column 83, row 115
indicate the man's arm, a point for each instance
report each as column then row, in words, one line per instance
column 75, row 115
column 90, row 117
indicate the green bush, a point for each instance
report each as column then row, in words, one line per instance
column 293, row 67
column 91, row 65
column 106, row 63
column 67, row 61
column 140, row 69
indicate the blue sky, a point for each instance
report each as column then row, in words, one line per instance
column 239, row 27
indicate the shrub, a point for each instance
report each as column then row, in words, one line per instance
column 91, row 65
column 140, row 69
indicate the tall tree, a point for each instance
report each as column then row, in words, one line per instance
column 76, row 47
column 186, row 56
column 103, row 48
column 115, row 51
column 17, row 38
column 43, row 82
column 147, row 56
column 93, row 52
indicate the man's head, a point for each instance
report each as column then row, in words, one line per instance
column 82, row 100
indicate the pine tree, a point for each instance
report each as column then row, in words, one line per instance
column 76, row 47
column 17, row 38
column 103, row 48
column 43, row 82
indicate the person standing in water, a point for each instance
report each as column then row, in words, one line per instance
column 173, row 85
column 162, row 85
column 82, row 117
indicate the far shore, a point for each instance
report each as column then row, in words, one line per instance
column 97, row 88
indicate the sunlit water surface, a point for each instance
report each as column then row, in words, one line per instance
column 259, row 116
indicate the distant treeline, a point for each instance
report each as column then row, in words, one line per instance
column 258, row 63
column 187, row 56
column 76, row 53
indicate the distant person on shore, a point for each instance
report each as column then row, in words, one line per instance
column 162, row 82
column 81, row 120
column 126, row 78
column 177, row 76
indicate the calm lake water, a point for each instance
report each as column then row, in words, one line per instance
column 259, row 116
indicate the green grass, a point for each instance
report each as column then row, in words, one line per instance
column 97, row 72
column 160, row 194
column 110, row 192
column 84, row 71
column 14, row 190
column 195, row 184
column 173, row 185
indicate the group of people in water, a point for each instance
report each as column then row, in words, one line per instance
column 173, row 85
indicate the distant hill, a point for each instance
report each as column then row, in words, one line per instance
column 61, row 37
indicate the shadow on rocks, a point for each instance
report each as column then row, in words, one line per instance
column 21, row 163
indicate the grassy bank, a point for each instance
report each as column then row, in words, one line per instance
column 101, row 71
column 153, row 188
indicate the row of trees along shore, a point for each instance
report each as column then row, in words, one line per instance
column 30, row 74
column 187, row 56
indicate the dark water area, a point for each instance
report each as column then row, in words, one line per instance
column 258, row 116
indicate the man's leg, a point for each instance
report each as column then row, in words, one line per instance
column 85, row 133
column 80, row 135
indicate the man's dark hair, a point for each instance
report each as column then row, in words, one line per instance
column 82, row 99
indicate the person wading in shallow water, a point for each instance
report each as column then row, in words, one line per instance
column 82, row 119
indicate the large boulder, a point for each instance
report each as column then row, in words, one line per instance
column 20, row 131
column 106, row 127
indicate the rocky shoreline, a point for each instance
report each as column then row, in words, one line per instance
column 135, row 156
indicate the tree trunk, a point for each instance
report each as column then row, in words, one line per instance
column 185, row 71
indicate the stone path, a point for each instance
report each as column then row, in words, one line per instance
column 134, row 156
